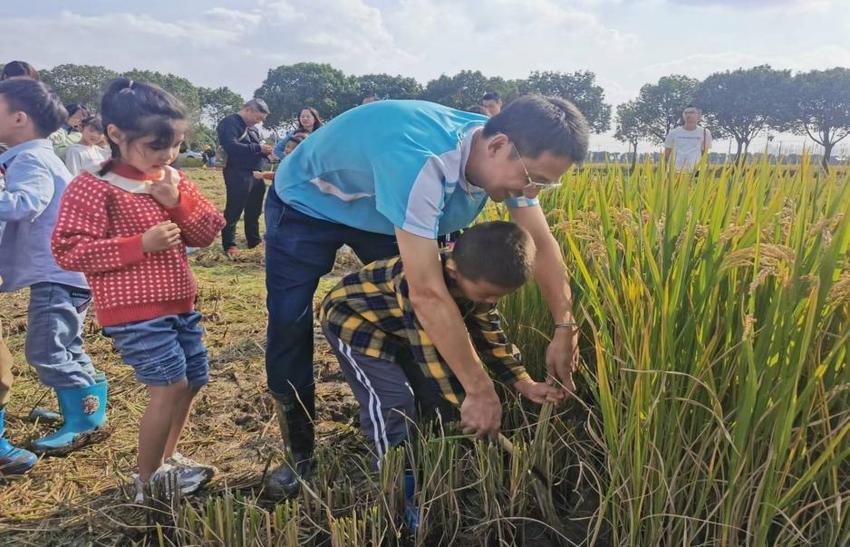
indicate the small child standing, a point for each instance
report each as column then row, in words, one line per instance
column 35, row 180
column 126, row 227
column 89, row 153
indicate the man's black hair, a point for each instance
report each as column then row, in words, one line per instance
column 499, row 252
column 491, row 96
column 38, row 101
column 537, row 124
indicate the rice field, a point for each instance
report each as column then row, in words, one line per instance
column 713, row 404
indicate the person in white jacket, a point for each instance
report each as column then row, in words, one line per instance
column 89, row 153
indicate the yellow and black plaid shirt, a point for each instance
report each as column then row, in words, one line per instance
column 371, row 312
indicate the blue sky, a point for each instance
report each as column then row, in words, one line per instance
column 625, row 42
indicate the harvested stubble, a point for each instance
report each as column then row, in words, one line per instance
column 712, row 407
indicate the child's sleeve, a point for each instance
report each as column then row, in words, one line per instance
column 80, row 239
column 74, row 161
column 33, row 188
column 496, row 351
column 200, row 222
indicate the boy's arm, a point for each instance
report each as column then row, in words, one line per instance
column 34, row 189
column 496, row 351
column 199, row 221
column 80, row 239
column 440, row 318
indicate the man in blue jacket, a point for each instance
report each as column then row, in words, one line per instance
column 245, row 151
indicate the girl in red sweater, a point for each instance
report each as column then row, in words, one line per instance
column 126, row 228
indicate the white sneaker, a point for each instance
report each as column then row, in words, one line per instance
column 186, row 474
column 191, row 475
column 161, row 476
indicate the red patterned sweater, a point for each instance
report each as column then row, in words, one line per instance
column 99, row 232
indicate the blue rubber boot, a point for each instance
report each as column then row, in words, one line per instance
column 411, row 510
column 84, row 411
column 13, row 460
column 45, row 415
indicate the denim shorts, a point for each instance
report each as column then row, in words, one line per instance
column 164, row 350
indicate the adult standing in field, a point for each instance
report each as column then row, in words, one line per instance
column 492, row 103
column 246, row 153
column 689, row 141
column 390, row 178
column 308, row 121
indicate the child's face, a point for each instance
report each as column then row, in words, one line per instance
column 141, row 154
column 74, row 121
column 91, row 136
column 478, row 291
column 290, row 146
column 15, row 127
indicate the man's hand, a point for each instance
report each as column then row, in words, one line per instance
column 266, row 149
column 481, row 413
column 161, row 237
column 258, row 174
column 540, row 392
column 165, row 190
column 562, row 358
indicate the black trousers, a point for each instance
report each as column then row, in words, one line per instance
column 244, row 194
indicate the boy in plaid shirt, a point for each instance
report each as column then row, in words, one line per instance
column 383, row 350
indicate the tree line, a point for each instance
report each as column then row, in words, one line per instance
column 737, row 104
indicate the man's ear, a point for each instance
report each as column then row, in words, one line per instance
column 496, row 143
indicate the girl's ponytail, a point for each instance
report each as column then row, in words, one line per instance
column 139, row 110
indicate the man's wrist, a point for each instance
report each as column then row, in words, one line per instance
column 481, row 388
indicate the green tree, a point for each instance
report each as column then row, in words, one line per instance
column 218, row 103
column 629, row 129
column 580, row 88
column 385, row 86
column 466, row 88
column 659, row 106
column 744, row 102
column 83, row 84
column 178, row 86
column 289, row 88
column 820, row 107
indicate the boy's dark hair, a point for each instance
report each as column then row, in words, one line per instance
column 38, row 101
column 92, row 121
column 139, row 110
column 73, row 108
column 491, row 96
column 692, row 105
column 537, row 124
column 477, row 109
column 18, row 69
column 499, row 252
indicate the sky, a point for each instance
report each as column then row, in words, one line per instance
column 627, row 43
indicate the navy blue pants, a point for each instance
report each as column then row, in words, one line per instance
column 301, row 249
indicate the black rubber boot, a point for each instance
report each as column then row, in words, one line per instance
column 295, row 417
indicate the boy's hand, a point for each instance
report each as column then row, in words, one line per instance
column 165, row 190
column 161, row 237
column 540, row 392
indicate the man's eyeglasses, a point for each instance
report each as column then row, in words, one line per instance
column 533, row 184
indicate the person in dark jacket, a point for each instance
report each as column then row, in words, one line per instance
column 245, row 154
